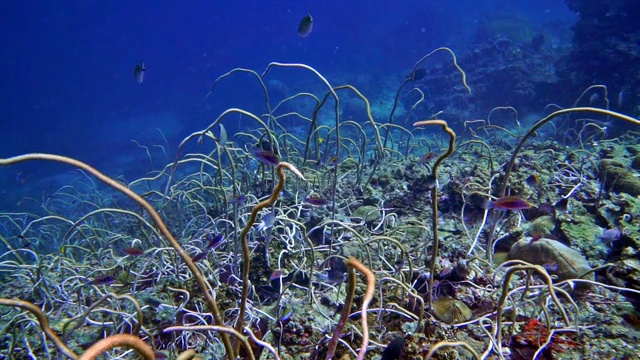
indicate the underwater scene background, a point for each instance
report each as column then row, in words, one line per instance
column 309, row 180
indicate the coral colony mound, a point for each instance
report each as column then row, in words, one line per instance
column 343, row 235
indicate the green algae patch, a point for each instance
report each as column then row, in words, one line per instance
column 583, row 234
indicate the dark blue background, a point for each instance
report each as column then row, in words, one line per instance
column 67, row 83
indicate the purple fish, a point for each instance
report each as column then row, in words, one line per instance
column 428, row 157
column 134, row 251
column 266, row 157
column 611, row 235
column 160, row 355
column 200, row 256
column 276, row 275
column 214, row 240
column 508, row 203
column 315, row 200
column 103, row 280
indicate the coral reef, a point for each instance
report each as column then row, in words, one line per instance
column 340, row 238
column 606, row 50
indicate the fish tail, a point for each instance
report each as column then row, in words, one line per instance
column 488, row 204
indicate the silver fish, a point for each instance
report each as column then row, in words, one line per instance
column 222, row 139
column 620, row 99
column 267, row 221
column 611, row 235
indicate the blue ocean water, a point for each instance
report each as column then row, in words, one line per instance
column 67, row 68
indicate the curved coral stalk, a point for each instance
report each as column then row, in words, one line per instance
column 118, row 340
column 44, row 323
column 353, row 263
column 434, row 197
column 202, row 283
column 246, row 251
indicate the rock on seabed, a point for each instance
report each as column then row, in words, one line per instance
column 556, row 257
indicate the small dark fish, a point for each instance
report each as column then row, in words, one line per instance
column 285, row 194
column 562, row 204
column 546, row 209
column 611, row 235
column 430, row 181
column 103, row 280
column 533, row 180
column 134, row 251
column 508, row 203
column 266, row 157
column 214, row 240
column 337, row 264
column 238, row 200
column 393, row 351
column 428, row 157
column 445, row 272
column 286, row 318
column 154, row 302
column 315, row 200
column 333, row 160
column 139, row 72
column 266, row 145
column 417, row 75
column 199, row 257
column 306, row 26
column 569, row 138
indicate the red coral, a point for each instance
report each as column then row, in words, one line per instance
column 534, row 334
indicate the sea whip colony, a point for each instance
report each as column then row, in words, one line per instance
column 176, row 265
